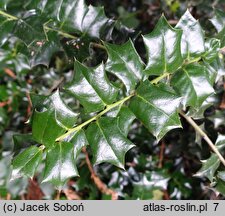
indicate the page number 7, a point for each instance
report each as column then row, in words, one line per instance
column 216, row 205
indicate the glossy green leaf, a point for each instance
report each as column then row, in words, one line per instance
column 221, row 37
column 52, row 120
column 26, row 162
column 215, row 69
column 212, row 49
column 29, row 30
column 163, row 47
column 156, row 107
column 124, row 62
column 60, row 164
column 3, row 4
column 92, row 87
column 108, row 142
column 199, row 113
column 218, row 20
column 42, row 52
column 218, row 64
column 76, row 15
column 221, row 175
column 192, row 84
column 220, row 186
column 45, row 129
column 220, row 142
column 209, row 167
column 22, row 141
column 218, row 119
column 6, row 28
column 192, row 42
column 125, row 118
column 79, row 140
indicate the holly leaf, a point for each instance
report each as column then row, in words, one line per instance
column 124, row 62
column 91, row 87
column 220, row 142
column 156, row 107
column 218, row 20
column 79, row 140
column 3, row 4
column 26, row 162
column 22, row 141
column 75, row 15
column 163, row 47
column 212, row 49
column 42, row 52
column 218, row 118
column 6, row 28
column 60, row 164
column 40, row 48
column 209, row 167
column 199, row 113
column 192, row 42
column 51, row 118
column 221, row 175
column 192, row 84
column 215, row 69
column 125, row 118
column 107, row 142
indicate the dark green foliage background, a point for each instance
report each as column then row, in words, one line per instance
column 144, row 177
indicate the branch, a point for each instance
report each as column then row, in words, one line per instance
column 98, row 182
column 161, row 154
column 10, row 73
column 8, row 16
column 204, row 136
column 4, row 103
column 107, row 109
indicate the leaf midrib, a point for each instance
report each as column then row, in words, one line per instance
column 160, row 110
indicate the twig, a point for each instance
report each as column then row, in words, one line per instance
column 107, row 109
column 157, row 79
column 64, row 34
column 204, row 136
column 4, row 103
column 10, row 73
column 161, row 154
column 96, row 45
column 34, row 191
column 71, row 195
column 222, row 104
column 166, row 195
column 10, row 17
column 29, row 106
column 8, row 197
column 98, row 182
